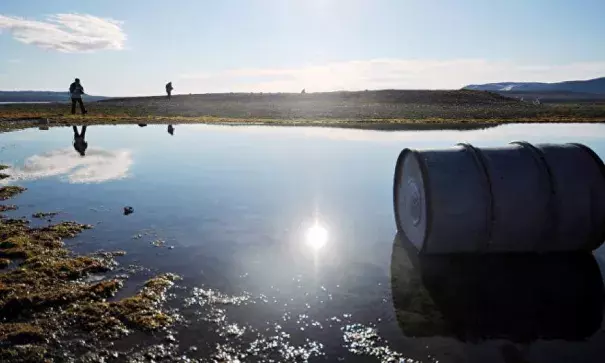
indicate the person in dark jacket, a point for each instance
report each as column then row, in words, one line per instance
column 75, row 92
column 80, row 143
column 169, row 89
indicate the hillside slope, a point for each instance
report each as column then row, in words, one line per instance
column 594, row 86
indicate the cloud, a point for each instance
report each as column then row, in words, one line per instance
column 385, row 74
column 68, row 33
column 14, row 60
column 97, row 166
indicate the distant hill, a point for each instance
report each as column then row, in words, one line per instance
column 578, row 89
column 40, row 96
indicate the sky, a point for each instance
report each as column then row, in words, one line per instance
column 134, row 47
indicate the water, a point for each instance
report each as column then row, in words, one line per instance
column 284, row 236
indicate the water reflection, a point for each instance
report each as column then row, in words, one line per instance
column 98, row 166
column 519, row 297
column 79, row 142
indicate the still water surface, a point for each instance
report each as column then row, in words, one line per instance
column 285, row 237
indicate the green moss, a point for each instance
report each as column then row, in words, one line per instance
column 66, row 229
column 8, row 192
column 20, row 333
column 28, row 353
column 65, row 268
column 141, row 311
column 3, row 167
column 44, row 215
column 5, row 208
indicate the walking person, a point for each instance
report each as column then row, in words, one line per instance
column 80, row 143
column 169, row 89
column 76, row 91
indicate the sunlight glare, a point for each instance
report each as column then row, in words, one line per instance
column 316, row 237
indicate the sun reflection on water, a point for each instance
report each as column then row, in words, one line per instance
column 316, row 237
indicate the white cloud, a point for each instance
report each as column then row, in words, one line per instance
column 384, row 74
column 97, row 166
column 69, row 33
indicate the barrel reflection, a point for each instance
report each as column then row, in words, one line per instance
column 518, row 297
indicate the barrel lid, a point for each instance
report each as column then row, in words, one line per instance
column 410, row 197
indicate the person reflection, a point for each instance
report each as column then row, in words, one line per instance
column 519, row 297
column 79, row 142
column 171, row 130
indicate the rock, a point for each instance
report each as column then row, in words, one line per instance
column 128, row 210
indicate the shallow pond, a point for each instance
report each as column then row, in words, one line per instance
column 285, row 237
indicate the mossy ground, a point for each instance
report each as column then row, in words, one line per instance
column 46, row 298
column 8, row 192
column 6, row 208
column 44, row 215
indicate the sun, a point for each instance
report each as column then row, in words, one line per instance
column 316, row 237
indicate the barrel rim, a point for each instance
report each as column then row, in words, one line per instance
column 427, row 195
column 601, row 166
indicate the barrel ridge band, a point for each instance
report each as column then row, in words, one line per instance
column 538, row 154
column 480, row 159
column 598, row 240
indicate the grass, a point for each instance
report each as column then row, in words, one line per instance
column 369, row 110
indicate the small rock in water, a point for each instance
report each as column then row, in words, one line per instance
column 128, row 210
column 171, row 247
column 158, row 243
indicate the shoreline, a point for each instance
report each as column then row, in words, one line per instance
column 371, row 110
column 395, row 124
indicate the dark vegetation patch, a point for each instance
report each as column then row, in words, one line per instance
column 44, row 215
column 10, row 191
column 6, row 208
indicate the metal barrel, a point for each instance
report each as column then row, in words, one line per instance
column 516, row 198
